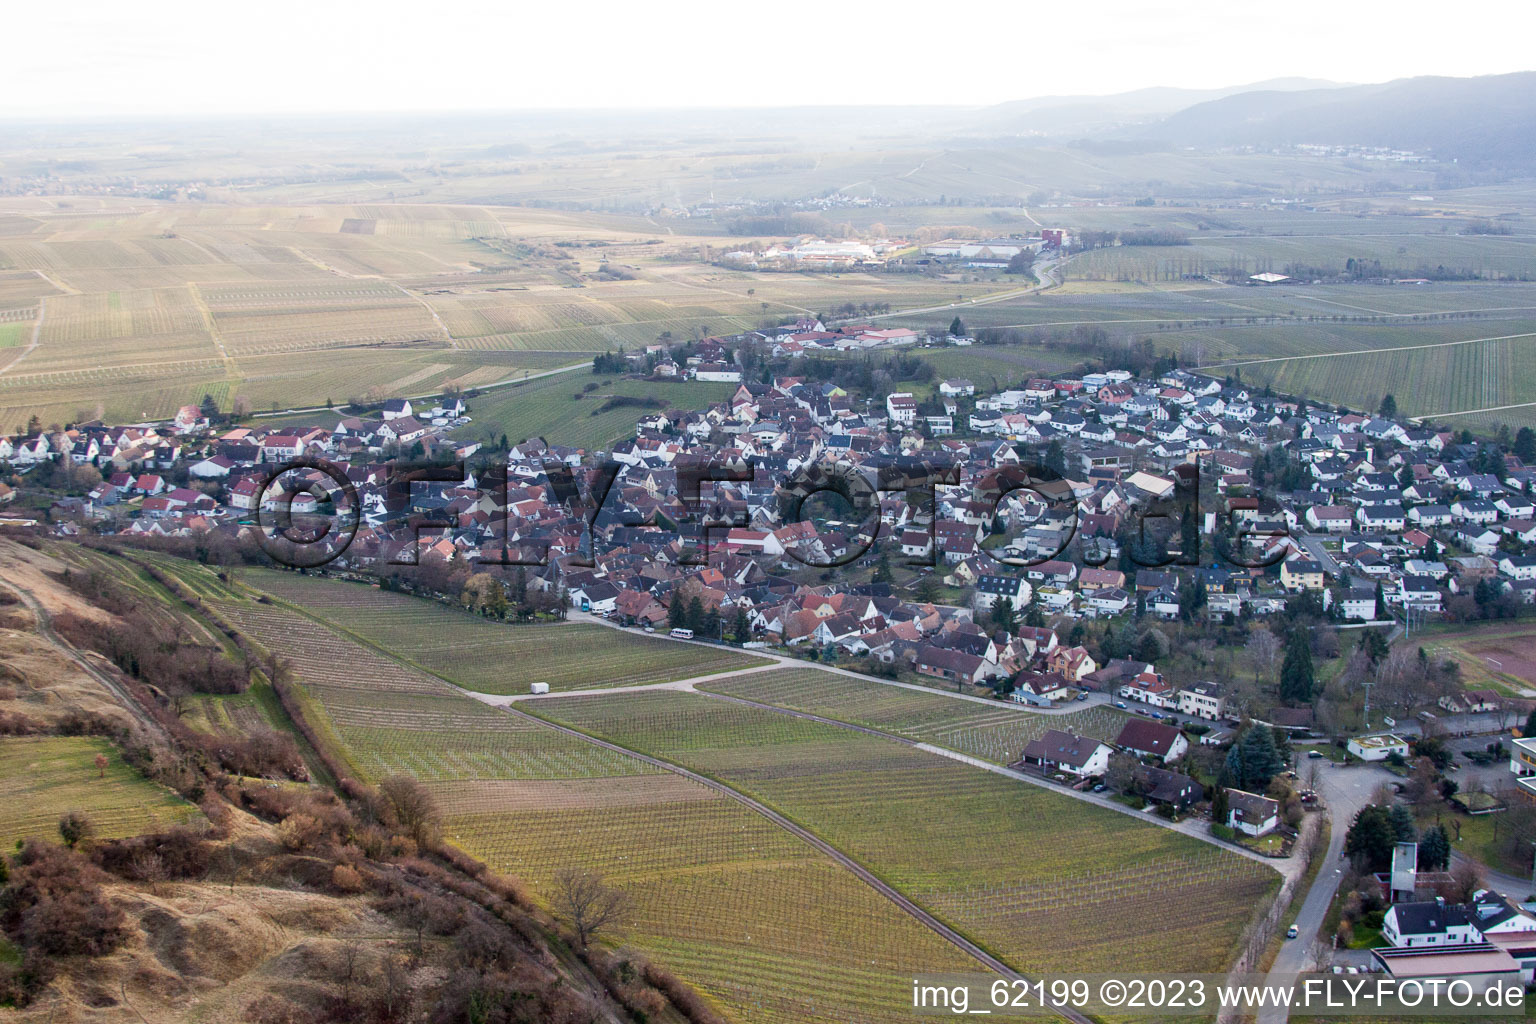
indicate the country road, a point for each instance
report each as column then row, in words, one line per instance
column 1047, row 271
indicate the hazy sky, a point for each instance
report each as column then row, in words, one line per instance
column 281, row 56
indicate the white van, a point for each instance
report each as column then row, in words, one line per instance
column 682, row 634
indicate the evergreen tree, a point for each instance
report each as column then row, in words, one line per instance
column 1297, row 676
column 1002, row 615
column 1530, row 724
column 694, row 616
column 1381, row 602
column 883, row 572
column 1525, row 445
column 1388, row 408
column 676, row 612
column 1220, row 806
column 1371, row 838
column 957, row 327
column 1189, row 536
column 741, row 631
column 1402, row 824
column 1434, row 849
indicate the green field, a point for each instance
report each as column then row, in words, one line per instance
column 766, row 926
column 43, row 777
column 1042, row 880
column 493, row 657
column 997, row 734
column 549, row 408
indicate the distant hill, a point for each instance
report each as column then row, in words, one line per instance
column 1078, row 115
column 1485, row 120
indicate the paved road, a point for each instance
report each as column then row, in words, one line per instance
column 1065, row 708
column 926, row 919
column 1345, row 791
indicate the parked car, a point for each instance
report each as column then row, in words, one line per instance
column 1291, row 932
column 1316, row 755
column 1100, row 788
column 1120, row 704
column 1083, row 695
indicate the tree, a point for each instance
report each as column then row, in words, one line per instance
column 1253, row 760
column 1525, row 445
column 882, row 573
column 1002, row 615
column 1121, row 776
column 1388, row 407
column 1021, row 261
column 75, row 827
column 412, row 808
column 1221, row 806
column 1189, row 536
column 1297, row 676
column 741, row 630
column 928, row 588
column 1530, row 724
column 676, row 612
column 1434, row 849
column 101, row 766
column 1371, row 838
column 1263, row 650
column 1402, row 824
column 957, row 327
column 1381, row 602
column 1466, row 879
column 590, row 903
column 695, row 614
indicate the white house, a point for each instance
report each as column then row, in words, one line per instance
column 1432, row 923
column 901, row 408
column 1377, row 748
column 992, row 589
column 1251, row 814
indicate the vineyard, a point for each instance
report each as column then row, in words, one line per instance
column 491, row 657
column 555, row 409
column 41, row 778
column 987, row 853
column 768, row 927
column 997, row 734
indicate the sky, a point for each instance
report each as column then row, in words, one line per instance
column 100, row 58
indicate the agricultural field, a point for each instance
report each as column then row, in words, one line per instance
column 43, row 777
column 149, row 306
column 1497, row 655
column 765, row 925
column 493, row 657
column 556, row 409
column 997, row 734
column 933, row 827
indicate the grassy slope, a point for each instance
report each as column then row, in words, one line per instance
column 42, row 778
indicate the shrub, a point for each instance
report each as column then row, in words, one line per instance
column 301, row 832
column 54, row 904
column 347, row 879
column 1223, row 832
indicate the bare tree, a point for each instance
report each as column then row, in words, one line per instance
column 1263, row 652
column 1466, row 879
column 413, row 808
column 590, row 903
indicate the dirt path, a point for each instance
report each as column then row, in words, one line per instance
column 37, row 334
column 46, row 631
column 932, row 923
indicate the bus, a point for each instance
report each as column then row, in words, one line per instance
column 682, row 634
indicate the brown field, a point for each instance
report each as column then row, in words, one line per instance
column 148, row 305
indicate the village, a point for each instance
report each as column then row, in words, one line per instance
column 1022, row 544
